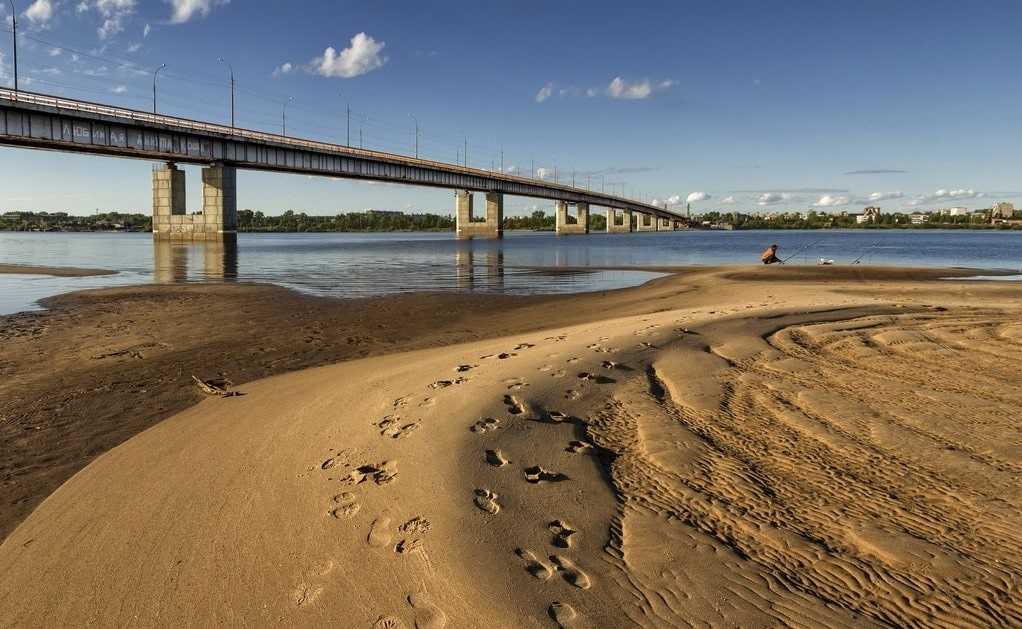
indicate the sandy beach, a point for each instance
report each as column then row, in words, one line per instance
column 721, row 447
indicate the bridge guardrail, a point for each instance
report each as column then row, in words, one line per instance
column 195, row 125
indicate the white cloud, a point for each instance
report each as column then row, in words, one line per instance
column 114, row 7
column 283, row 69
column 621, row 89
column 728, row 199
column 770, row 198
column 884, row 196
column 135, row 47
column 543, row 173
column 145, row 31
column 361, row 57
column 39, row 12
column 945, row 194
column 120, row 89
column 696, row 196
column 829, row 200
column 591, row 92
column 512, row 169
column 82, row 7
column 110, row 27
column 54, row 52
column 184, row 10
column 674, row 199
column 3, row 68
column 545, row 92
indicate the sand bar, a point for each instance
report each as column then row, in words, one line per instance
column 824, row 448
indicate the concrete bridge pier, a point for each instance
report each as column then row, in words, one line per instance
column 645, row 222
column 568, row 224
column 467, row 226
column 625, row 226
column 218, row 219
column 663, row 224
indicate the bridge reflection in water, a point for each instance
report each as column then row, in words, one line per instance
column 482, row 270
column 219, row 260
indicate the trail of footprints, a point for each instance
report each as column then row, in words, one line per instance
column 351, row 469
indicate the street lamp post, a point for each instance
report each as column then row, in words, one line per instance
column 347, row 107
column 283, row 116
column 416, row 135
column 155, row 73
column 231, row 70
column 14, row 25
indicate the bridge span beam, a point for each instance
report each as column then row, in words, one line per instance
column 491, row 227
column 612, row 221
column 563, row 218
column 218, row 219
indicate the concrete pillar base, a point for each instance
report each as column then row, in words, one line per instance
column 645, row 222
column 491, row 227
column 218, row 220
column 626, row 221
column 562, row 218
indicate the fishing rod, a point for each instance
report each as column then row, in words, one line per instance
column 805, row 248
column 864, row 252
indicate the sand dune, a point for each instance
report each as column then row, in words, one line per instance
column 755, row 454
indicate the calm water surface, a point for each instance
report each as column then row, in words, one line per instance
column 357, row 265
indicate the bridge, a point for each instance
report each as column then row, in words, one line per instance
column 41, row 121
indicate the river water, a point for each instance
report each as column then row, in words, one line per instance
column 358, row 265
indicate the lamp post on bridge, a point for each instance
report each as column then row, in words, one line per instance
column 283, row 116
column 416, row 135
column 155, row 73
column 14, row 26
column 347, row 107
column 231, row 70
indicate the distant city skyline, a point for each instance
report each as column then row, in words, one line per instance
column 744, row 107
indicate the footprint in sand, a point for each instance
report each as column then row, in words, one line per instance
column 406, row 546
column 572, row 360
column 347, row 506
column 546, row 367
column 560, row 373
column 427, row 615
column 514, row 384
column 578, row 447
column 496, row 458
column 534, row 566
column 487, row 501
column 571, row 573
column 513, row 405
column 485, row 425
column 506, row 355
column 427, row 402
column 522, row 346
column 537, row 475
column 402, row 401
column 464, row 368
column 562, row 533
column 379, row 532
column 389, row 622
column 563, row 614
column 391, row 426
column 572, row 394
column 305, row 594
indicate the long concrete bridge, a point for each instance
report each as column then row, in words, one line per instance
column 47, row 122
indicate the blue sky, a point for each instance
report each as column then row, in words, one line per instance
column 741, row 105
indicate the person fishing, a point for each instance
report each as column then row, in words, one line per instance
column 770, row 256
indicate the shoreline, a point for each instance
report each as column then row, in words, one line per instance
column 53, row 271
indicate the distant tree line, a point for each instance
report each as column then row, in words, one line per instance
column 290, row 221
column 63, row 222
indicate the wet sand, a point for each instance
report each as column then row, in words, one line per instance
column 55, row 271
column 720, row 447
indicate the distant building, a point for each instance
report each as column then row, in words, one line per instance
column 1002, row 210
column 869, row 215
column 384, row 212
column 917, row 218
column 14, row 214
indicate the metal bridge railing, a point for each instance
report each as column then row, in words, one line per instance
column 134, row 115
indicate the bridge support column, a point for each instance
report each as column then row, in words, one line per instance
column 491, row 227
column 645, row 222
column 626, row 221
column 563, row 218
column 663, row 224
column 219, row 217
